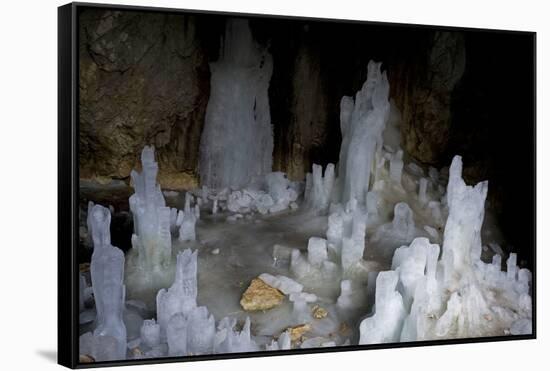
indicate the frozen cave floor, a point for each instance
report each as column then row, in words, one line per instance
column 232, row 253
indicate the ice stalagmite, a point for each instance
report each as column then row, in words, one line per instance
column 187, row 220
column 228, row 340
column 237, row 140
column 181, row 297
column 455, row 295
column 151, row 238
column 385, row 325
column 107, row 270
column 462, row 237
column 319, row 188
column 362, row 123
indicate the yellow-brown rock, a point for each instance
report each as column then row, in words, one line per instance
column 319, row 312
column 260, row 296
column 297, row 332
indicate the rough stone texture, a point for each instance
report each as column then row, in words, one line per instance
column 296, row 332
column 319, row 312
column 298, row 85
column 423, row 92
column 260, row 296
column 144, row 79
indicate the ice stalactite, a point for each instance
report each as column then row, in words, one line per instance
column 152, row 238
column 237, row 140
column 362, row 122
column 108, row 341
column 456, row 295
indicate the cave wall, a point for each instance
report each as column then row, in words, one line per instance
column 144, row 79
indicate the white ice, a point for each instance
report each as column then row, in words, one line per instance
column 237, row 141
column 108, row 341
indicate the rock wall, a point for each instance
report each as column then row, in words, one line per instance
column 144, row 79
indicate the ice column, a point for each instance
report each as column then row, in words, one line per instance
column 237, row 140
column 403, row 222
column 318, row 190
column 362, row 122
column 107, row 271
column 462, row 237
column 385, row 326
column 151, row 237
column 396, row 167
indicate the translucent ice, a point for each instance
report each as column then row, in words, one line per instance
column 107, row 271
column 237, row 140
column 385, row 325
column 176, row 334
column 317, row 251
column 182, row 295
column 462, row 237
column 286, row 285
column 396, row 167
column 150, row 333
column 200, row 331
column 187, row 220
column 152, row 239
column 422, row 189
column 282, row 343
column 319, row 188
column 362, row 122
column 402, row 228
column 457, row 294
column 300, row 310
column 228, row 340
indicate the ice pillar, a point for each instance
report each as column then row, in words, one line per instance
column 462, row 238
column 107, row 271
column 151, row 237
column 362, row 123
column 237, row 140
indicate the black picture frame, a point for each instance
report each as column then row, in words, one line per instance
column 68, row 185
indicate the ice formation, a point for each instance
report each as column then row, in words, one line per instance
column 181, row 297
column 108, row 341
column 378, row 243
column 362, row 122
column 187, row 220
column 319, row 188
column 237, row 140
column 385, row 325
column 183, row 328
column 152, row 238
column 456, row 295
